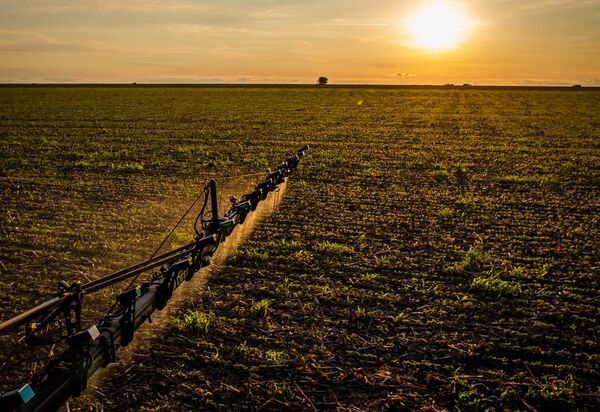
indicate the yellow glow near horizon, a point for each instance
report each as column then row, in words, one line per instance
column 437, row 26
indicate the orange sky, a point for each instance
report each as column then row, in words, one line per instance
column 267, row 41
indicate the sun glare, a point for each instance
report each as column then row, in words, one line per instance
column 437, row 26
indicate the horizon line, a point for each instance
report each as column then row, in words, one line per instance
column 334, row 85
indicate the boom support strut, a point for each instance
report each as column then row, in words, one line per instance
column 95, row 347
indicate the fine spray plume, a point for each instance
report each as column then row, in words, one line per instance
column 88, row 349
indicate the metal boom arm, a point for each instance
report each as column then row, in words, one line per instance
column 92, row 348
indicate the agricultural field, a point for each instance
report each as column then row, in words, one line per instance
column 437, row 249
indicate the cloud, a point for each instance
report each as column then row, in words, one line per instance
column 552, row 5
column 187, row 30
column 36, row 41
column 147, row 6
column 62, row 79
column 33, row 34
column 405, row 75
column 269, row 14
column 355, row 23
column 183, row 79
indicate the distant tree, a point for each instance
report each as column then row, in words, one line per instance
column 323, row 80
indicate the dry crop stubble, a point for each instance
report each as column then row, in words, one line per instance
column 438, row 248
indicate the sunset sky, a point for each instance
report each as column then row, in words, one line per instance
column 291, row 41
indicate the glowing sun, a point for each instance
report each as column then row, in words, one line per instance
column 437, row 26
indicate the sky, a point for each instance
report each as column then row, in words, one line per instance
column 512, row 42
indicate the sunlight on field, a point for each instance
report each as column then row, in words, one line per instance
column 431, row 240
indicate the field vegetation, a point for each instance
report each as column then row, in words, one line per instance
column 437, row 249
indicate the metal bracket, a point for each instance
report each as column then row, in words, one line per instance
column 127, row 301
column 43, row 330
column 264, row 188
column 13, row 400
column 241, row 208
column 79, row 346
column 108, row 346
column 254, row 198
column 165, row 289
